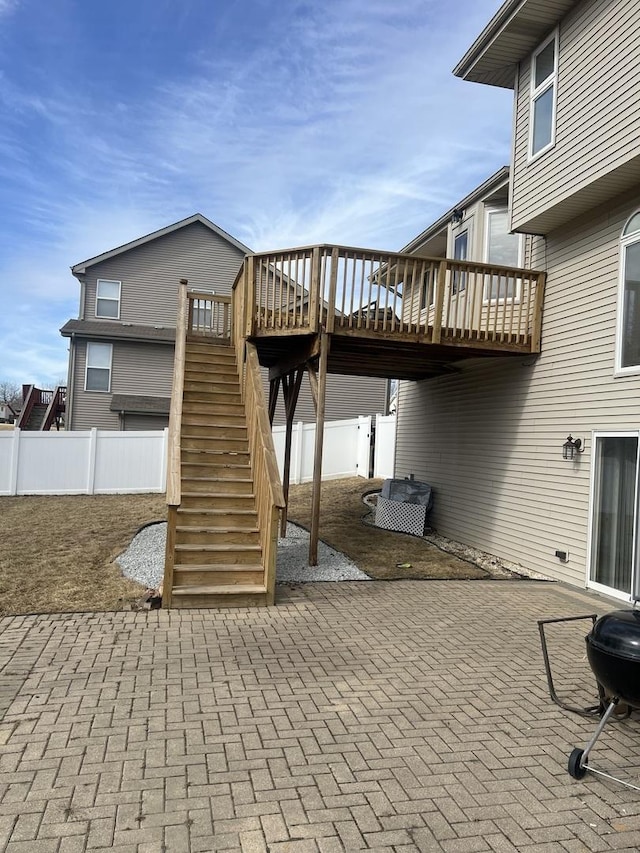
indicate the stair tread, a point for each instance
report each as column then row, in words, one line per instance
column 206, row 529
column 222, row 589
column 219, row 464
column 207, row 479
column 221, row 426
column 215, row 452
column 205, row 511
column 222, row 546
column 216, row 568
column 245, row 496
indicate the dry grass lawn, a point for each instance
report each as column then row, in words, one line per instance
column 57, row 552
column 377, row 552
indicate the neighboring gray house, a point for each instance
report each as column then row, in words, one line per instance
column 122, row 344
column 492, row 437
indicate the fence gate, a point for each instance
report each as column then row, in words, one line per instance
column 363, row 455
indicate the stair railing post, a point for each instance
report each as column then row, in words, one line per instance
column 317, row 461
column 333, row 282
column 314, row 289
column 441, row 282
column 250, row 295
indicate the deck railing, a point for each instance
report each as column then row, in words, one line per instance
column 33, row 397
column 267, row 486
column 360, row 291
column 222, row 317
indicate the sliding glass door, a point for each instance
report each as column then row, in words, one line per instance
column 614, row 563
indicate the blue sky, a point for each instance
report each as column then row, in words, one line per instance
column 286, row 122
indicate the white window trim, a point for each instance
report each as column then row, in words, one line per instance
column 87, row 366
column 108, row 298
column 634, row 369
column 535, row 92
column 465, row 225
column 594, row 585
column 486, row 300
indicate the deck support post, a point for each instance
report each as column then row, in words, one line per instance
column 274, row 387
column 313, row 384
column 291, row 389
column 317, row 461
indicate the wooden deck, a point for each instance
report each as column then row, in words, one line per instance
column 387, row 314
column 319, row 310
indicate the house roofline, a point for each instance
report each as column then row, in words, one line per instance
column 486, row 187
column 513, row 33
column 80, row 268
column 118, row 331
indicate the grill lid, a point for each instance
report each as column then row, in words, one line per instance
column 618, row 633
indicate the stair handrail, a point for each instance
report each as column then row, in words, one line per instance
column 174, row 495
column 28, row 402
column 56, row 405
column 268, row 491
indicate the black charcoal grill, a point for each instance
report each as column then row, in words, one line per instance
column 613, row 651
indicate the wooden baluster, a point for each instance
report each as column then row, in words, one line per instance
column 441, row 283
column 512, row 301
column 333, row 280
column 314, row 290
column 525, row 284
column 358, row 301
column 250, row 304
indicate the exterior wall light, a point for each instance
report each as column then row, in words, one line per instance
column 571, row 448
column 457, row 216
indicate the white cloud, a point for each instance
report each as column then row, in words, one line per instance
column 8, row 6
column 341, row 123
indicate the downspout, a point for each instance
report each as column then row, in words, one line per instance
column 70, row 381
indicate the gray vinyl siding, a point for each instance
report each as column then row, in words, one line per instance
column 150, row 274
column 489, row 439
column 346, row 397
column 137, row 368
column 595, row 155
column 145, row 422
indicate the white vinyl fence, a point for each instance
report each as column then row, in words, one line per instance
column 97, row 461
column 346, row 448
column 87, row 462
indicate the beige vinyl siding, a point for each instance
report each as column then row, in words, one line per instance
column 132, row 363
column 150, row 274
column 596, row 152
column 489, row 439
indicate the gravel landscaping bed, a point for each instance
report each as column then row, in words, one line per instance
column 143, row 561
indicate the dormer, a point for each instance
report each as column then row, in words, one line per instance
column 575, row 69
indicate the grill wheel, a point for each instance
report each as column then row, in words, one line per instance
column 575, row 767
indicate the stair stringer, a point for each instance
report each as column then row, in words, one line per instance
column 220, row 541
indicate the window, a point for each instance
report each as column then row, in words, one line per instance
column 542, row 116
column 628, row 337
column 428, row 293
column 108, row 299
column 460, row 245
column 98, row 373
column 503, row 249
column 614, row 519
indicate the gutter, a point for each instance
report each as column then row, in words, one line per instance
column 70, row 380
column 495, row 25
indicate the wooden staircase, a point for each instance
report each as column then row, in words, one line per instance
column 218, row 551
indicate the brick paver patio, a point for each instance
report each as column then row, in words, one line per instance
column 407, row 716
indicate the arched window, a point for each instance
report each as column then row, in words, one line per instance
column 628, row 349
